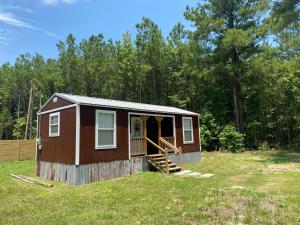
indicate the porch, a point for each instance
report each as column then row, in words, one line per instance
column 154, row 136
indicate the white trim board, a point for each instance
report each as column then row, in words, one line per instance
column 77, row 143
column 57, row 95
column 150, row 114
column 38, row 136
column 57, row 109
column 199, row 131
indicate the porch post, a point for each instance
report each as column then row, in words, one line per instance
column 159, row 119
column 144, row 119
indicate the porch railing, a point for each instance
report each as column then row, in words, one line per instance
column 137, row 146
column 161, row 151
column 168, row 139
column 170, row 146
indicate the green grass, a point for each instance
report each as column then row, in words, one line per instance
column 248, row 188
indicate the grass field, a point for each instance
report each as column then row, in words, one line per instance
column 248, row 188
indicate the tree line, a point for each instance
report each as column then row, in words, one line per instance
column 238, row 64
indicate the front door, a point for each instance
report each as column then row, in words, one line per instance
column 136, row 127
column 152, row 134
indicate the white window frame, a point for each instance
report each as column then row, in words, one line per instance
column 58, row 124
column 97, row 146
column 184, row 129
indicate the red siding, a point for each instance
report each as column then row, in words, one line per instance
column 179, row 135
column 59, row 149
column 62, row 149
column 88, row 153
column 53, row 105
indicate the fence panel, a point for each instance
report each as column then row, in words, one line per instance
column 12, row 150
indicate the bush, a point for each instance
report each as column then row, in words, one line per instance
column 230, row 139
column 209, row 131
column 264, row 146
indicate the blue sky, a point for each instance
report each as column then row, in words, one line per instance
column 37, row 25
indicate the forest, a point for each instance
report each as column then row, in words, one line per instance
column 238, row 66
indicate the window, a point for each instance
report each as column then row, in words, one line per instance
column 136, row 127
column 105, row 129
column 188, row 137
column 54, row 122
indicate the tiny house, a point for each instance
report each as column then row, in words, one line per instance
column 84, row 139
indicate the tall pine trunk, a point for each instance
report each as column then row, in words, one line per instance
column 236, row 90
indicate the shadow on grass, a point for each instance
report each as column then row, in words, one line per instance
column 283, row 157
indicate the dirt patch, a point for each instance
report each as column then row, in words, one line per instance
column 232, row 205
column 287, row 167
column 237, row 187
column 240, row 178
column 268, row 205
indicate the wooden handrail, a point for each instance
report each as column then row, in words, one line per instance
column 165, row 151
column 173, row 147
column 155, row 145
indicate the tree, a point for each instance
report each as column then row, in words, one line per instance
column 150, row 49
column 233, row 29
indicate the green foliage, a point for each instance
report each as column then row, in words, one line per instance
column 240, row 63
column 19, row 128
column 209, row 131
column 230, row 139
column 264, row 146
column 5, row 123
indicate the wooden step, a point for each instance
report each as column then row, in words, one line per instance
column 171, row 165
column 174, row 169
column 158, row 159
column 163, row 161
column 159, row 162
column 155, row 155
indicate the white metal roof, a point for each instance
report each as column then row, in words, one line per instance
column 84, row 100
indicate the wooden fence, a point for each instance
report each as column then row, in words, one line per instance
column 13, row 150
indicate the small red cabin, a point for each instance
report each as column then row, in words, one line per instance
column 84, row 139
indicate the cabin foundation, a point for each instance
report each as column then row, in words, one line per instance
column 87, row 173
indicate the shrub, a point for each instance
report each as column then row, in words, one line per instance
column 230, row 139
column 209, row 131
column 264, row 146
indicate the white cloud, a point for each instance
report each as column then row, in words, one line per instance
column 5, row 43
column 56, row 2
column 10, row 19
column 51, row 34
column 15, row 7
column 3, row 40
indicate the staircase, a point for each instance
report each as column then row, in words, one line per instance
column 158, row 161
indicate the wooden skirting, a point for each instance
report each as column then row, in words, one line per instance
column 188, row 157
column 13, row 150
column 87, row 173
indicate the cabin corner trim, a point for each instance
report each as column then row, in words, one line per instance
column 77, row 143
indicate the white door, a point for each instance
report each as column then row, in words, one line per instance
column 136, row 127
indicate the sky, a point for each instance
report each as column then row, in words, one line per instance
column 35, row 26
